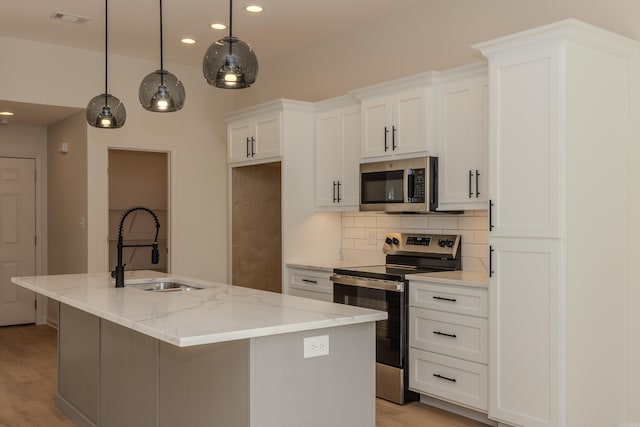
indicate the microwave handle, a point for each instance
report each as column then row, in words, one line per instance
column 411, row 184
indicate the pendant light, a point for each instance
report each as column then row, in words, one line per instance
column 105, row 111
column 230, row 63
column 161, row 91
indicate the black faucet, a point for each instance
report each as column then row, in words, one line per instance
column 118, row 273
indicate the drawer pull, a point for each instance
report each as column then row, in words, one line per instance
column 445, row 334
column 446, row 299
column 453, row 380
column 315, row 282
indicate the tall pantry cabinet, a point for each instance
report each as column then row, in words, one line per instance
column 558, row 141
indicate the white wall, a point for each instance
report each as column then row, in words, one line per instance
column 195, row 136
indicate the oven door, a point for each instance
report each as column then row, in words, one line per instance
column 378, row 295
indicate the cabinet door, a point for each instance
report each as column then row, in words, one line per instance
column 376, row 127
column 239, row 140
column 524, row 146
column 462, row 145
column 351, row 140
column 409, row 118
column 328, row 159
column 268, row 136
column 525, row 308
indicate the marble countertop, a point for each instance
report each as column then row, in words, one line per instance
column 216, row 313
column 324, row 265
column 460, row 277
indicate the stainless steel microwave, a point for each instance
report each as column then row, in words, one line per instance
column 397, row 186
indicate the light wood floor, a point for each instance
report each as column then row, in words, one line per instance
column 28, row 375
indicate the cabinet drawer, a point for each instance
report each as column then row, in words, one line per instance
column 455, row 380
column 449, row 334
column 310, row 280
column 451, row 298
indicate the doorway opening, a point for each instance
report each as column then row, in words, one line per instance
column 139, row 178
column 17, row 238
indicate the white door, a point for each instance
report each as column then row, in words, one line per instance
column 17, row 239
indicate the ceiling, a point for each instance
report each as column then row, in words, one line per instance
column 283, row 27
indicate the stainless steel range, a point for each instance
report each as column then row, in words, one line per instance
column 384, row 287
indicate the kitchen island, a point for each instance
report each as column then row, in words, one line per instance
column 221, row 355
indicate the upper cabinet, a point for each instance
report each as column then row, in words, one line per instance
column 462, row 138
column 397, row 118
column 256, row 136
column 337, row 154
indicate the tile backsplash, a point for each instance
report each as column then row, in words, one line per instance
column 363, row 234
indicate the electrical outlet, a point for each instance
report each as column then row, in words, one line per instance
column 316, row 346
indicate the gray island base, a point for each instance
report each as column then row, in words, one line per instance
column 113, row 376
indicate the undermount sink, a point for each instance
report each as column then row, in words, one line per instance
column 164, row 286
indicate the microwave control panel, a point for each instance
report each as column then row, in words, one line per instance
column 416, row 184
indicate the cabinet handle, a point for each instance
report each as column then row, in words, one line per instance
column 314, row 282
column 248, row 152
column 491, row 261
column 338, row 182
column 445, row 299
column 477, row 188
column 490, row 215
column 334, row 191
column 470, row 191
column 393, row 137
column 445, row 334
column 453, row 380
column 253, row 146
column 386, row 131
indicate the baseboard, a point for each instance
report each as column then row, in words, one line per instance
column 458, row 410
column 72, row 413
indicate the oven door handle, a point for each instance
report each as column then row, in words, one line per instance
column 385, row 285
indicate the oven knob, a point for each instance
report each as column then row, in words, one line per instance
column 449, row 243
column 388, row 240
column 442, row 243
column 396, row 241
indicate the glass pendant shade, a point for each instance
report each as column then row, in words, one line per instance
column 230, row 63
column 161, row 92
column 106, row 112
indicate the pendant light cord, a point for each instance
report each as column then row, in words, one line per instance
column 230, row 26
column 161, row 49
column 106, row 46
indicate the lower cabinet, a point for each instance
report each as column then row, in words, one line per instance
column 308, row 283
column 448, row 343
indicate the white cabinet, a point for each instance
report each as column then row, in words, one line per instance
column 558, row 94
column 255, row 138
column 462, row 140
column 397, row 118
column 308, row 283
column 448, row 343
column 338, row 158
column 304, row 232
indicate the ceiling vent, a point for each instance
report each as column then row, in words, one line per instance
column 67, row 17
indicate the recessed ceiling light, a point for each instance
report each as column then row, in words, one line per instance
column 67, row 17
column 254, row 8
column 218, row 26
column 6, row 113
column 187, row 40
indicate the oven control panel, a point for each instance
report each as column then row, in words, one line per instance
column 421, row 244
